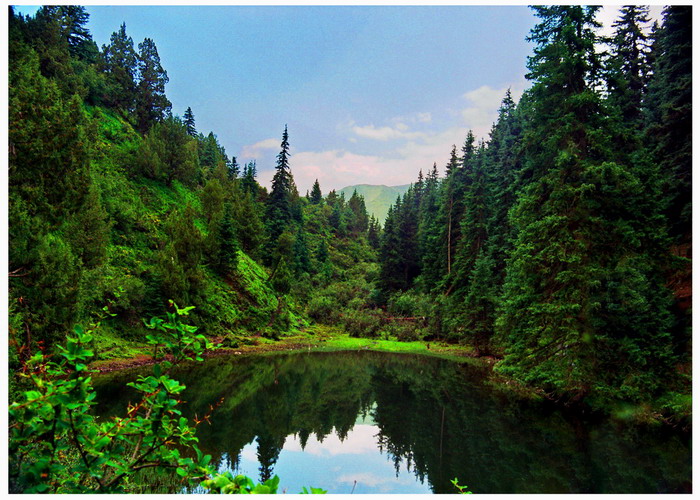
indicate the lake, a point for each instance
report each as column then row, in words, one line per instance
column 370, row 422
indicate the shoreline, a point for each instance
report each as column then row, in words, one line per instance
column 332, row 340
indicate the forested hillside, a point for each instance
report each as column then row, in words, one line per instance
column 557, row 249
column 559, row 244
column 117, row 202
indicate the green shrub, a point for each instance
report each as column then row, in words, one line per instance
column 57, row 445
column 323, row 308
column 410, row 303
column 361, row 323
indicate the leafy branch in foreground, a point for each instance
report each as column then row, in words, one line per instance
column 462, row 489
column 57, row 445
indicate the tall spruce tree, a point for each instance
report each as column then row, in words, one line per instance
column 280, row 209
column 120, row 60
column 473, row 230
column 628, row 69
column 152, row 105
column 279, row 203
column 504, row 159
column 669, row 117
column 188, row 119
column 429, row 233
column 316, row 197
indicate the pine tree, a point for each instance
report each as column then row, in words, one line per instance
column 358, row 220
column 233, row 168
column 52, row 298
column 250, row 229
column 629, row 71
column 248, row 183
column 167, row 153
column 88, row 230
column 373, row 233
column 71, row 22
column 503, row 155
column 210, row 154
column 452, row 204
column 56, row 135
column 669, row 117
column 226, row 256
column 391, row 276
column 468, row 149
column 279, row 202
column 479, row 307
column 429, row 234
column 189, row 122
column 152, row 105
column 316, row 197
column 473, row 230
column 120, row 61
column 408, row 238
column 178, row 264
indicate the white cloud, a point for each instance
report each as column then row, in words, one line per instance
column 386, row 133
column 483, row 107
column 608, row 14
column 254, row 150
column 361, row 439
column 401, row 161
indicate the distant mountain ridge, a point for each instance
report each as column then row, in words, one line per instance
column 378, row 198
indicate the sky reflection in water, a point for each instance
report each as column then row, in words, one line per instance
column 337, row 464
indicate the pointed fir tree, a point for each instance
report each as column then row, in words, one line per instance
column 358, row 219
column 226, row 253
column 279, row 210
column 120, row 61
column 627, row 72
column 429, row 234
column 504, row 159
column 669, row 117
column 152, row 105
column 473, row 230
column 248, row 183
column 316, row 197
column 188, row 120
column 374, row 233
column 234, row 169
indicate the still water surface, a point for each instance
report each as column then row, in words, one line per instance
column 367, row 422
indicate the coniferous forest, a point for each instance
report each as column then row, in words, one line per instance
column 558, row 247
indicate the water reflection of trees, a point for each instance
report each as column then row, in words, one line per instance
column 436, row 417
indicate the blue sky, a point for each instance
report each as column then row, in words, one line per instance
column 370, row 94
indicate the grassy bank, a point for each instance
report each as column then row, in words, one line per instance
column 114, row 353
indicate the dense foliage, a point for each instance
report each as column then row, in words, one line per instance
column 553, row 243
column 560, row 244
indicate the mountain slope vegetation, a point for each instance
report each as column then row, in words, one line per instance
column 559, row 246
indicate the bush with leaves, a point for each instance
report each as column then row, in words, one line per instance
column 361, row 323
column 57, row 445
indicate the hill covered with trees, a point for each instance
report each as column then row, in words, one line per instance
column 562, row 242
column 559, row 246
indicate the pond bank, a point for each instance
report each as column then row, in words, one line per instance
column 316, row 339
column 329, row 339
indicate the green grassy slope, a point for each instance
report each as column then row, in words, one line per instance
column 241, row 304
